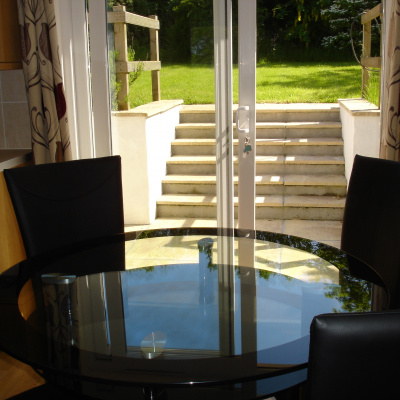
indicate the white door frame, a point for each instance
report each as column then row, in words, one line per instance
column 101, row 106
column 246, row 114
column 85, row 77
column 224, row 170
column 246, row 129
column 224, row 121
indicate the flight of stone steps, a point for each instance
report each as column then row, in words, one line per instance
column 299, row 164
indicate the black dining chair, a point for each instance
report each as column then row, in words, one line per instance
column 371, row 224
column 60, row 204
column 63, row 203
column 354, row 356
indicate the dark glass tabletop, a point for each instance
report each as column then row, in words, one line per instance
column 158, row 312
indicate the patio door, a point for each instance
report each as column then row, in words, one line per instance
column 246, row 128
column 246, row 132
column 246, row 149
column 245, row 121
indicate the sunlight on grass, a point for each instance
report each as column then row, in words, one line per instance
column 372, row 92
column 276, row 83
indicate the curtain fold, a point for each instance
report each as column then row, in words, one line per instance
column 43, row 81
column 390, row 140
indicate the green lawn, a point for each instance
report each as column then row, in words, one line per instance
column 276, row 83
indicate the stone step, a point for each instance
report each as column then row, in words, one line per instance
column 265, row 130
column 318, row 185
column 268, row 112
column 268, row 207
column 267, row 147
column 265, row 165
column 299, row 164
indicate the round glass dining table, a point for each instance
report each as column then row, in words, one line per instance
column 177, row 313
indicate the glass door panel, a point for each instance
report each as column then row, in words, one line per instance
column 245, row 129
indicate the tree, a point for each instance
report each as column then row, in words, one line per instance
column 287, row 29
column 341, row 14
column 192, row 22
column 138, row 37
column 307, row 22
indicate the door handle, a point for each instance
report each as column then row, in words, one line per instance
column 239, row 112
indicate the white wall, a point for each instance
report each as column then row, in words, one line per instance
column 142, row 137
column 360, row 130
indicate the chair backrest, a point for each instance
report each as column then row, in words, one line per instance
column 354, row 356
column 62, row 203
column 371, row 221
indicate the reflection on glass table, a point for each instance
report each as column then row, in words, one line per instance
column 155, row 315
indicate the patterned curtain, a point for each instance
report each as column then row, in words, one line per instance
column 43, row 80
column 390, row 141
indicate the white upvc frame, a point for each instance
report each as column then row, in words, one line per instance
column 74, row 53
column 247, row 109
column 85, row 78
column 246, row 129
column 224, row 113
column 100, row 78
column 224, row 158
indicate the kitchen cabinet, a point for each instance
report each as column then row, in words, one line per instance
column 10, row 44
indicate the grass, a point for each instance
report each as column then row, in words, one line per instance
column 276, row 83
column 372, row 91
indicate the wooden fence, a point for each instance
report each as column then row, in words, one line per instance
column 366, row 59
column 120, row 18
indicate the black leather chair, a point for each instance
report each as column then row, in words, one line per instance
column 371, row 223
column 62, row 203
column 354, row 356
